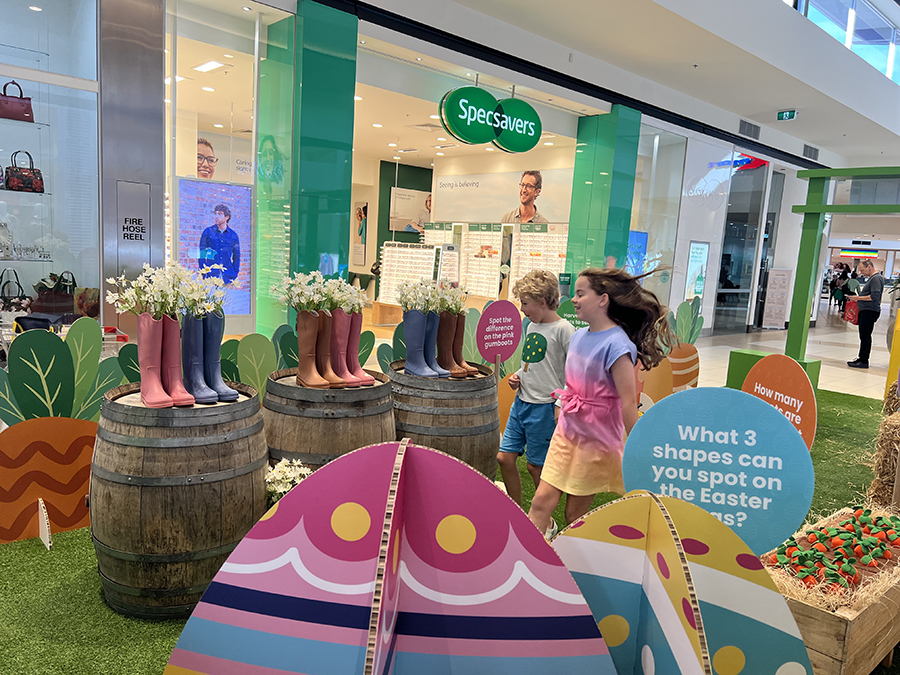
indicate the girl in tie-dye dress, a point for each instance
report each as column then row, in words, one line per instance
column 626, row 323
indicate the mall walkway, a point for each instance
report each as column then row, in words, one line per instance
column 832, row 340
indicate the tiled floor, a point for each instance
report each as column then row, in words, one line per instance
column 832, row 340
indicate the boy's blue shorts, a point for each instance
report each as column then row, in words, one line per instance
column 529, row 429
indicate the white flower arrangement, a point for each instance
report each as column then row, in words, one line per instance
column 421, row 295
column 283, row 477
column 341, row 295
column 303, row 292
column 204, row 294
column 156, row 291
column 452, row 296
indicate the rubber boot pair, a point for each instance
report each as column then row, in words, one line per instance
column 445, row 336
column 458, row 340
column 353, row 350
column 201, row 358
column 420, row 332
column 159, row 348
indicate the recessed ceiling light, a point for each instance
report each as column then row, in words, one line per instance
column 178, row 78
column 362, row 42
column 396, row 157
column 377, row 126
column 588, row 182
column 441, row 138
column 603, row 173
column 207, row 89
column 392, row 145
column 218, row 126
column 167, row 101
column 35, row 8
column 439, row 154
column 165, row 51
column 435, row 117
column 432, row 164
column 548, row 143
column 208, row 66
column 227, row 56
column 245, row 8
column 468, row 74
column 357, row 98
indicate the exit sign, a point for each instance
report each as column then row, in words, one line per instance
column 787, row 115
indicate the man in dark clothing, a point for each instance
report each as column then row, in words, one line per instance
column 869, row 303
column 219, row 245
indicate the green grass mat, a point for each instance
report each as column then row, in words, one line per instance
column 53, row 618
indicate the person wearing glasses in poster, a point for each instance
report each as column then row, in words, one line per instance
column 206, row 159
column 529, row 190
column 220, row 245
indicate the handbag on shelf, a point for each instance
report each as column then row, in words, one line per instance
column 24, row 179
column 56, row 294
column 16, row 107
column 14, row 302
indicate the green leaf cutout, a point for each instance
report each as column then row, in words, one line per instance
column 385, row 357
column 41, row 374
column 128, row 362
column 256, row 360
column 698, row 326
column 399, row 343
column 85, row 341
column 288, row 350
column 9, row 409
column 276, row 342
column 366, row 345
column 230, row 350
column 109, row 375
column 470, row 349
column 230, row 371
column 684, row 322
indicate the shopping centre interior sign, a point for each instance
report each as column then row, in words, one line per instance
column 472, row 115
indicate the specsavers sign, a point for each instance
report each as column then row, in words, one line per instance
column 474, row 116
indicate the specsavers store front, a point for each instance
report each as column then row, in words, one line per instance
column 343, row 146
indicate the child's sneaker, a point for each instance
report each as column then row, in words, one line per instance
column 552, row 531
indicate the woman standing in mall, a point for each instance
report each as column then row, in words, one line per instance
column 626, row 323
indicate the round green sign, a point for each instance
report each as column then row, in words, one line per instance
column 472, row 115
column 465, row 112
column 519, row 127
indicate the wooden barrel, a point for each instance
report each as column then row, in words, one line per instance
column 173, row 491
column 318, row 425
column 459, row 417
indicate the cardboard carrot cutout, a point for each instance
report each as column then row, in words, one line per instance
column 535, row 349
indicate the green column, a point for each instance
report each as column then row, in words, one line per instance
column 603, row 188
column 325, row 77
column 806, row 283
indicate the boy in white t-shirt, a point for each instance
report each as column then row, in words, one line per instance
column 532, row 417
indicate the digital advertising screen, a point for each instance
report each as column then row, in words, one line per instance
column 214, row 227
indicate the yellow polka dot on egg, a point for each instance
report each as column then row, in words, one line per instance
column 614, row 629
column 271, row 512
column 729, row 660
column 455, row 534
column 350, row 521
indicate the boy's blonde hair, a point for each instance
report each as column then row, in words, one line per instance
column 538, row 285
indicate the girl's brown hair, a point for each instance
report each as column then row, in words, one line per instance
column 638, row 311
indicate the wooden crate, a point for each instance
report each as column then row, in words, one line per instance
column 386, row 315
column 847, row 642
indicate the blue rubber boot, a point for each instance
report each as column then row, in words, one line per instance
column 432, row 322
column 414, row 334
column 192, row 360
column 213, row 330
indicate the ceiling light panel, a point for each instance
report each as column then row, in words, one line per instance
column 208, row 66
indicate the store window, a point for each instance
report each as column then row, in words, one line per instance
column 229, row 102
column 49, row 228
column 654, row 215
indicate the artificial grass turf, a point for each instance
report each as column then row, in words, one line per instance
column 53, row 618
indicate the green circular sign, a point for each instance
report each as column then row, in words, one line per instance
column 472, row 115
column 517, row 125
column 465, row 112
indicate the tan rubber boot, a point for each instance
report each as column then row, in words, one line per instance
column 307, row 333
column 445, row 337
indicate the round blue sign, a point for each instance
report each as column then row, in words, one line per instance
column 730, row 453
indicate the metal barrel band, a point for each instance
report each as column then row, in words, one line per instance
column 444, row 395
column 322, row 413
column 434, row 431
column 162, row 558
column 136, row 417
column 171, row 481
column 149, row 611
column 305, row 457
column 177, row 443
column 149, row 592
column 428, row 410
column 440, row 384
column 290, row 391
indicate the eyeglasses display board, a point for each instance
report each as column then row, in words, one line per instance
column 404, row 262
column 538, row 246
column 482, row 244
column 449, row 263
column 437, row 234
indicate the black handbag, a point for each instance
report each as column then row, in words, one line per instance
column 51, row 322
column 12, row 293
column 23, row 179
column 56, row 295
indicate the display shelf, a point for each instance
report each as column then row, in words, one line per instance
column 538, row 246
column 404, row 262
column 436, row 234
column 482, row 244
column 19, row 124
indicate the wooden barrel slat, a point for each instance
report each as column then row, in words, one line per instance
column 317, row 425
column 457, row 416
column 173, row 492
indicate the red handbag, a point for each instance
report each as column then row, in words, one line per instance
column 16, row 107
column 851, row 313
column 21, row 179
